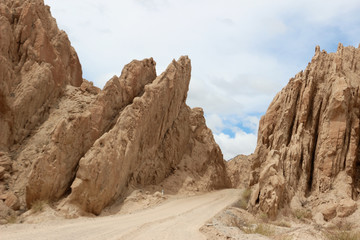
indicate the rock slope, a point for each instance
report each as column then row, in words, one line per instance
column 308, row 141
column 61, row 138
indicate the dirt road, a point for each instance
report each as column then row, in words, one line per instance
column 174, row 219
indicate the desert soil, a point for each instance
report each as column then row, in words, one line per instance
column 176, row 218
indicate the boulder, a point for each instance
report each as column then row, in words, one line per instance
column 12, row 201
column 346, row 207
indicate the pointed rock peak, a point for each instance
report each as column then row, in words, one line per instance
column 62, row 137
column 340, row 47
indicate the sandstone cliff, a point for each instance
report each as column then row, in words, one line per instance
column 308, row 140
column 61, row 138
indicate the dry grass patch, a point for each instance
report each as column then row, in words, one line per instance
column 261, row 229
column 244, row 200
column 343, row 235
column 283, row 224
column 246, row 194
column 12, row 219
column 39, row 206
column 264, row 217
column 342, row 231
column 241, row 203
column 302, row 214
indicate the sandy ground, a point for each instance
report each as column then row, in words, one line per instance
column 176, row 218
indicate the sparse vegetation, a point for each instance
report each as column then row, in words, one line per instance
column 38, row 206
column 246, row 195
column 283, row 224
column 249, row 228
column 343, row 231
column 302, row 214
column 244, row 200
column 240, row 204
column 343, row 235
column 261, row 229
column 264, row 217
column 12, row 219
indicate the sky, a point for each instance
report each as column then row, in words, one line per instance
column 242, row 51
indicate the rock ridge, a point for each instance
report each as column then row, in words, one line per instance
column 308, row 140
column 65, row 141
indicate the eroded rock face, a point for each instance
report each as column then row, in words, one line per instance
column 55, row 166
column 36, row 63
column 61, row 137
column 142, row 147
column 308, row 141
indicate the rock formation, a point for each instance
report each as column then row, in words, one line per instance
column 63, row 138
column 36, row 63
column 308, row 140
column 238, row 170
column 151, row 136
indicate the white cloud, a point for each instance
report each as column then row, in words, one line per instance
column 215, row 123
column 242, row 143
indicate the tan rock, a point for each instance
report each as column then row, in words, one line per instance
column 5, row 161
column 313, row 124
column 12, row 201
column 329, row 211
column 2, row 172
column 346, row 207
column 89, row 87
column 238, row 170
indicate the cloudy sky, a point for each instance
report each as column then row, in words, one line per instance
column 243, row 51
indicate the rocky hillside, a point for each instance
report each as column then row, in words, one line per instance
column 307, row 153
column 238, row 170
column 61, row 138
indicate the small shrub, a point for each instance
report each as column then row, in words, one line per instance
column 283, row 224
column 343, row 235
column 302, row 214
column 261, row 229
column 246, row 195
column 241, row 203
column 11, row 219
column 264, row 217
column 38, row 206
column 244, row 200
column 342, row 231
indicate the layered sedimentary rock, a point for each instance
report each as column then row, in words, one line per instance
column 63, row 138
column 308, row 141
